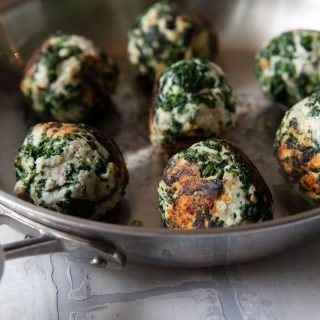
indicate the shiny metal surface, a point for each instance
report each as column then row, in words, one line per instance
column 1, row 261
column 43, row 240
column 242, row 26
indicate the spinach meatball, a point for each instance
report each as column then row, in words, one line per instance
column 70, row 168
column 162, row 35
column 67, row 77
column 297, row 145
column 193, row 100
column 288, row 66
column 212, row 184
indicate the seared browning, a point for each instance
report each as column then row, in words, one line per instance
column 195, row 200
column 212, row 184
column 297, row 145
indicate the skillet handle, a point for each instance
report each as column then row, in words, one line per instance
column 40, row 239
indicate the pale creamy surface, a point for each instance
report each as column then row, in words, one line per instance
column 70, row 67
column 66, row 72
column 148, row 20
column 67, row 69
column 303, row 63
column 309, row 125
column 229, row 211
column 102, row 189
column 215, row 120
column 303, row 60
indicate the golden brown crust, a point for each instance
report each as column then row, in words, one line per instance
column 309, row 181
column 201, row 188
column 298, row 164
column 196, row 195
column 64, row 130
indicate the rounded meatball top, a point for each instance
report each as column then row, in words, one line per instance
column 192, row 99
column 162, row 35
column 212, row 184
column 70, row 168
column 68, row 76
column 287, row 66
column 297, row 144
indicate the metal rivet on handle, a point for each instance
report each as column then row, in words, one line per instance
column 98, row 262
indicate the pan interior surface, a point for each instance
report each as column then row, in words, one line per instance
column 242, row 27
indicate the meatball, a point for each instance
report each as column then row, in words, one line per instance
column 67, row 77
column 70, row 168
column 212, row 184
column 162, row 35
column 288, row 66
column 297, row 145
column 193, row 100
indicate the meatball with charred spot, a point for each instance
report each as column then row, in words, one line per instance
column 162, row 35
column 70, row 168
column 68, row 77
column 212, row 184
column 288, row 66
column 193, row 100
column 297, row 145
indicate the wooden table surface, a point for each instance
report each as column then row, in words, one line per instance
column 59, row 286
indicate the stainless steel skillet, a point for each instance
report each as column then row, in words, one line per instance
column 133, row 233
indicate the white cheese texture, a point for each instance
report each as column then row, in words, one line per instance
column 180, row 112
column 54, row 178
column 294, row 59
column 307, row 123
column 161, row 37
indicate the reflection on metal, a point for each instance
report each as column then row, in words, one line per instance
column 49, row 241
column 1, row 261
column 98, row 262
column 19, row 20
column 8, row 44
